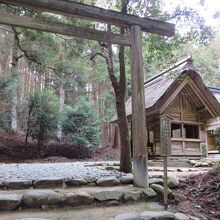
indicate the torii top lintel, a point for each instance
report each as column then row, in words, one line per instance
column 74, row 9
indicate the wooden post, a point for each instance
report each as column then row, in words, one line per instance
column 165, row 181
column 165, row 144
column 139, row 137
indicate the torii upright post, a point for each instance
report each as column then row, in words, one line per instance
column 139, row 137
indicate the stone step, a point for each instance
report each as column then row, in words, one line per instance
column 15, row 184
column 79, row 196
column 48, row 183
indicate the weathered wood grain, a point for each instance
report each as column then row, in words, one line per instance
column 139, row 136
column 74, row 9
column 61, row 28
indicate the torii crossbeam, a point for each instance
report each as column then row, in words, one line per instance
column 136, row 25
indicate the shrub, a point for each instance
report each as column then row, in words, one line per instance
column 81, row 124
column 68, row 150
column 43, row 116
column 4, row 149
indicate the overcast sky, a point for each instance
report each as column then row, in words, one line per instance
column 208, row 9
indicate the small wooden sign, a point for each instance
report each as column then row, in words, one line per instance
column 165, row 145
column 165, row 135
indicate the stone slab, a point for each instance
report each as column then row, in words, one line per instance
column 127, row 179
column 108, row 181
column 9, row 202
column 17, row 184
column 149, row 193
column 108, row 195
column 132, row 195
column 38, row 198
column 158, row 215
column 128, row 216
column 48, row 183
column 77, row 199
column 156, row 181
column 173, row 182
column 75, row 182
column 181, row 216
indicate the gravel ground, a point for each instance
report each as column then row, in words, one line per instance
column 36, row 171
column 87, row 170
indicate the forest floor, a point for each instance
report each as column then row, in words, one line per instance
column 200, row 195
column 12, row 150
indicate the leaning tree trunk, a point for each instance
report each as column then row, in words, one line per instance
column 120, row 91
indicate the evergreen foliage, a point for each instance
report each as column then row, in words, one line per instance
column 81, row 123
column 43, row 116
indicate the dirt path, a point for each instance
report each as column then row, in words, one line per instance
column 82, row 213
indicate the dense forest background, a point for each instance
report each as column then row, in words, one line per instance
column 57, row 88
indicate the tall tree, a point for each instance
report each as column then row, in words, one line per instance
column 119, row 86
column 206, row 59
column 61, row 96
column 125, row 156
column 11, row 111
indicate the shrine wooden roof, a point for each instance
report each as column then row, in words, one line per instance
column 160, row 88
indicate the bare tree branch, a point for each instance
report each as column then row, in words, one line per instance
column 25, row 53
column 92, row 58
column 108, row 56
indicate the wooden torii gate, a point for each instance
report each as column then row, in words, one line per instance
column 134, row 40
